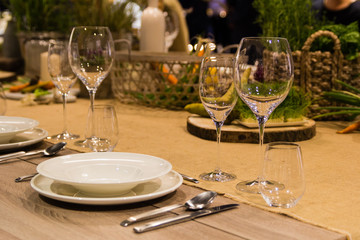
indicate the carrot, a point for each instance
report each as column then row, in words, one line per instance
column 201, row 52
column 49, row 85
column 18, row 88
column 170, row 77
column 350, row 128
column 40, row 84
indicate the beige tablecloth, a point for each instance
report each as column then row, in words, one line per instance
column 332, row 161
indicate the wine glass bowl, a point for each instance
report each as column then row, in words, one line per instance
column 91, row 54
column 218, row 95
column 63, row 78
column 264, row 75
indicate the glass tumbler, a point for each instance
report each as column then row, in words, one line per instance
column 102, row 128
column 282, row 182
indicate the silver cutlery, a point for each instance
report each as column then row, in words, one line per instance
column 52, row 150
column 190, row 179
column 25, row 178
column 198, row 202
column 182, row 218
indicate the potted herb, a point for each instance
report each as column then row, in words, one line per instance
column 291, row 19
column 38, row 21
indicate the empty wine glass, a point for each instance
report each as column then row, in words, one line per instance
column 282, row 182
column 264, row 75
column 218, row 95
column 102, row 128
column 63, row 79
column 91, row 55
column 2, row 100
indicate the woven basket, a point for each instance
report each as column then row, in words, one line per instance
column 316, row 72
column 149, row 79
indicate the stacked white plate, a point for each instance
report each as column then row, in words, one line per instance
column 105, row 178
column 19, row 132
column 10, row 126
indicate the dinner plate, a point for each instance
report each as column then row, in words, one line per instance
column 145, row 191
column 26, row 138
column 10, row 126
column 107, row 173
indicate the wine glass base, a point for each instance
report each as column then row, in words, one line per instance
column 64, row 136
column 217, row 176
column 82, row 143
column 249, row 186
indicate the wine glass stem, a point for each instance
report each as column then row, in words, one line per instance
column 261, row 120
column 92, row 100
column 64, row 95
column 218, row 126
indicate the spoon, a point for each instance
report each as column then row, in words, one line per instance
column 196, row 203
column 46, row 152
column 25, row 178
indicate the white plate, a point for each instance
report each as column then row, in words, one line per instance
column 10, row 126
column 26, row 138
column 145, row 191
column 105, row 173
column 19, row 95
column 14, row 95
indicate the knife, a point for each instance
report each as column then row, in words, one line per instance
column 182, row 218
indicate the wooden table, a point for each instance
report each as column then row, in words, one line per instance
column 27, row 215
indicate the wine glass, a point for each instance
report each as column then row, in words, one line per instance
column 2, row 100
column 264, row 76
column 91, row 55
column 218, row 95
column 102, row 128
column 63, row 79
column 282, row 182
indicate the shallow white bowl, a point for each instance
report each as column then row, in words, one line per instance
column 10, row 126
column 104, row 173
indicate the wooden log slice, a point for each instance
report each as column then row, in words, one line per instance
column 205, row 129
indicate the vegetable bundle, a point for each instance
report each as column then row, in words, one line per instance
column 351, row 98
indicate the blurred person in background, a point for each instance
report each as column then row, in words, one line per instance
column 338, row 11
column 225, row 21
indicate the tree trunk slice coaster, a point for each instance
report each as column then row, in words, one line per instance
column 204, row 128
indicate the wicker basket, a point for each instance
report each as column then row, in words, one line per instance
column 156, row 79
column 316, row 72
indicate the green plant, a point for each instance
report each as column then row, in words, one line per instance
column 294, row 106
column 62, row 15
column 116, row 16
column 291, row 19
column 351, row 98
column 348, row 35
column 42, row 15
